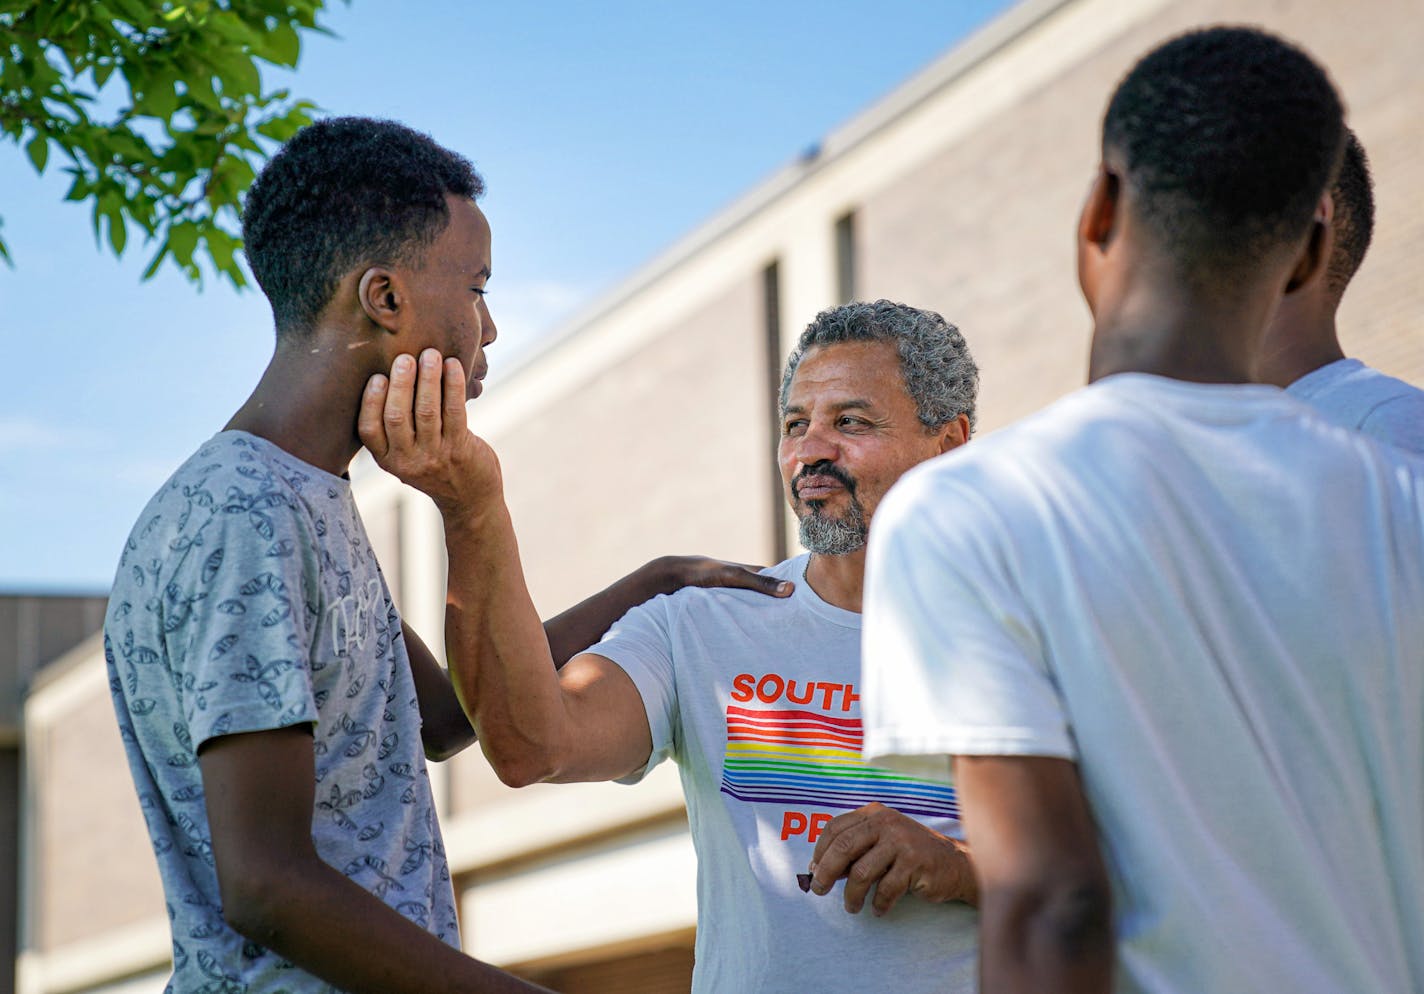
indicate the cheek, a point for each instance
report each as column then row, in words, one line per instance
column 786, row 462
column 875, row 476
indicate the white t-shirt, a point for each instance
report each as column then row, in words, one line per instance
column 1347, row 392
column 1213, row 601
column 756, row 699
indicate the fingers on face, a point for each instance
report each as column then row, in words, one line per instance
column 424, row 399
column 396, row 415
column 369, row 425
column 427, row 395
column 454, row 410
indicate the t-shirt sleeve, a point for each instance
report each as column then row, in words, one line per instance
column 953, row 664
column 241, row 618
column 1398, row 421
column 640, row 642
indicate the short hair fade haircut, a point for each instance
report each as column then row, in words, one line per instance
column 1229, row 137
column 1354, row 222
column 343, row 193
column 940, row 374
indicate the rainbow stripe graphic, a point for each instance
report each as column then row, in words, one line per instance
column 813, row 760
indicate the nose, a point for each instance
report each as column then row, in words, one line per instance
column 488, row 331
column 815, row 445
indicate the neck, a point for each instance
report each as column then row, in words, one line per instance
column 1174, row 330
column 307, row 400
column 838, row 580
column 1300, row 340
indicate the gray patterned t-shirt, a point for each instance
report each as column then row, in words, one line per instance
column 248, row 598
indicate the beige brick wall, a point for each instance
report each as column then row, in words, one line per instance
column 96, row 869
column 984, row 231
column 669, row 446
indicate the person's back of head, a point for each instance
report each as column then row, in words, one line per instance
column 1227, row 138
column 344, row 193
column 1354, row 219
column 1302, row 336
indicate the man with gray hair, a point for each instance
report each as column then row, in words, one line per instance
column 757, row 698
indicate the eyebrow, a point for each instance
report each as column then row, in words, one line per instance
column 843, row 405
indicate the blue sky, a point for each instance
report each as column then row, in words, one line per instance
column 603, row 132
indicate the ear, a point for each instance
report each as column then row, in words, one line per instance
column 1098, row 221
column 954, row 434
column 1315, row 256
column 1097, row 224
column 382, row 297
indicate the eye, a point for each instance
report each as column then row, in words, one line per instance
column 796, row 426
column 481, row 291
column 848, row 421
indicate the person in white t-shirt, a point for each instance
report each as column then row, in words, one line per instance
column 1168, row 633
column 757, row 698
column 1301, row 350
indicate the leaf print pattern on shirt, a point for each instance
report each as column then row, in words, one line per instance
column 246, row 578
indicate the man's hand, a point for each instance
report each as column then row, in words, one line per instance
column 879, row 847
column 413, row 422
column 585, row 623
column 676, row 572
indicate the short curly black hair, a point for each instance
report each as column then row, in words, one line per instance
column 1228, row 137
column 343, row 193
column 1354, row 222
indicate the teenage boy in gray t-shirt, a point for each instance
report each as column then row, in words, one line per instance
column 276, row 713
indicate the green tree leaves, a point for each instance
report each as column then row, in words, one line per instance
column 156, row 110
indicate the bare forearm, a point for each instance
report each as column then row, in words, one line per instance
column 445, row 729
column 586, row 622
column 500, row 661
column 1045, row 903
column 1060, row 942
column 336, row 930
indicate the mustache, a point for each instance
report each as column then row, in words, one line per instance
column 823, row 468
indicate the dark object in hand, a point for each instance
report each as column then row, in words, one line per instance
column 803, row 880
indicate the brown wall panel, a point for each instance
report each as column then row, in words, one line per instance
column 663, row 452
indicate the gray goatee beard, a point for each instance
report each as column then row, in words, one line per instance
column 833, row 536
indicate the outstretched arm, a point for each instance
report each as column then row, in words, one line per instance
column 445, row 728
column 414, row 425
column 532, row 723
column 876, row 846
column 259, row 789
column 1044, row 898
